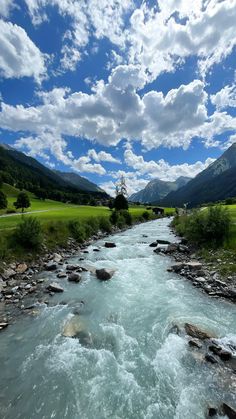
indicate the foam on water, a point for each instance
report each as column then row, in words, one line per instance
column 135, row 367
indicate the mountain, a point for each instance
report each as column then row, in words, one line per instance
column 22, row 171
column 215, row 183
column 79, row 181
column 157, row 189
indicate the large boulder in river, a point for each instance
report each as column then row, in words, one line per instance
column 162, row 241
column 104, row 274
column 197, row 333
column 76, row 328
column 74, row 277
column 110, row 244
column 51, row 266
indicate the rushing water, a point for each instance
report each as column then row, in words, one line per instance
column 135, row 368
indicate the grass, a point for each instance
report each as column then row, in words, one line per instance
column 58, row 211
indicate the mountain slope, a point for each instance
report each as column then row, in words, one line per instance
column 79, row 181
column 23, row 171
column 216, row 182
column 157, row 189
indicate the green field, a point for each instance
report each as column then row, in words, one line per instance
column 56, row 211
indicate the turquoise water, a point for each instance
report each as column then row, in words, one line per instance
column 134, row 367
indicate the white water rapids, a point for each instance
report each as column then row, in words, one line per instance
column 135, row 368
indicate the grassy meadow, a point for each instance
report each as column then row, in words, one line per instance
column 49, row 210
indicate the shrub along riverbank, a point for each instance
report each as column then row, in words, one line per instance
column 211, row 232
column 31, row 237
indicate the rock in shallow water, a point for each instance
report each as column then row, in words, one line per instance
column 195, row 332
column 74, row 277
column 55, row 287
column 110, row 244
column 104, row 274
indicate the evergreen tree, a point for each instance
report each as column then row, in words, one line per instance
column 120, row 203
column 22, row 201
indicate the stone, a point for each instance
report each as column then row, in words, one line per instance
column 8, row 273
column 28, row 286
column 73, row 327
column 229, row 411
column 154, row 244
column 200, row 279
column 57, row 258
column 183, row 249
column 104, row 274
column 74, row 277
column 225, row 355
column 210, row 358
column 61, row 275
column 159, row 241
column 177, row 267
column 21, row 268
column 194, row 343
column 212, row 411
column 110, row 244
column 3, row 325
column 96, row 249
column 72, row 267
column 195, row 332
column 51, row 266
column 194, row 266
column 171, row 248
column 55, row 287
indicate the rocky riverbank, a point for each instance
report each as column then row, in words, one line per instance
column 203, row 275
column 22, row 288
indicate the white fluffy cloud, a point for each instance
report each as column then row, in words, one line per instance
column 161, row 169
column 161, row 38
column 47, row 144
column 102, row 156
column 225, row 97
column 115, row 110
column 6, row 7
column 19, row 56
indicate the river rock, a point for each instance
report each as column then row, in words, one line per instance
column 57, row 258
column 104, row 274
column 55, row 287
column 21, row 268
column 51, row 266
column 177, row 267
column 171, row 248
column 72, row 267
column 159, row 241
column 154, row 244
column 229, row 411
column 110, row 244
column 210, row 358
column 8, row 273
column 194, row 343
column 212, row 411
column 74, row 277
column 193, row 265
column 61, row 275
column 3, row 325
column 75, row 328
column 195, row 332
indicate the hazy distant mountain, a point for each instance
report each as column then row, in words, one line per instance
column 79, row 181
column 216, row 182
column 157, row 189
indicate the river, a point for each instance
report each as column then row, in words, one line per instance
column 135, row 367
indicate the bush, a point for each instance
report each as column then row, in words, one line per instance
column 114, row 217
column 146, row 215
column 28, row 233
column 120, row 202
column 105, row 224
column 206, row 228
column 10, row 211
column 56, row 233
column 77, row 230
column 127, row 216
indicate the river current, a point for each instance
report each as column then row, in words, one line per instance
column 136, row 366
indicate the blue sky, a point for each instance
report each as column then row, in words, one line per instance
column 144, row 89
